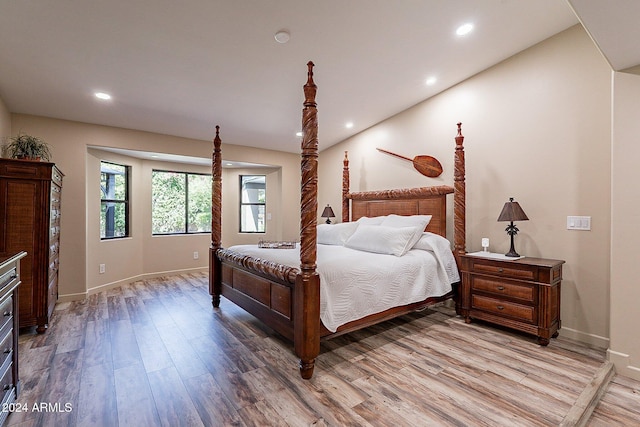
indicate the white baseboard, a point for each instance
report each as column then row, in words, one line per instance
column 591, row 339
column 71, row 297
column 622, row 363
column 126, row 281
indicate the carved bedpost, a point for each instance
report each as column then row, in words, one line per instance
column 459, row 198
column 345, row 188
column 215, row 266
column 307, row 288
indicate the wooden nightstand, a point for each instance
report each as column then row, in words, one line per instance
column 522, row 294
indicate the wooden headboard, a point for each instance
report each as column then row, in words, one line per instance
column 415, row 201
column 407, row 201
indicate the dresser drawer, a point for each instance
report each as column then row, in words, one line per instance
column 56, row 177
column 502, row 269
column 502, row 288
column 6, row 347
column 52, row 296
column 6, row 311
column 8, row 276
column 504, row 308
column 6, row 380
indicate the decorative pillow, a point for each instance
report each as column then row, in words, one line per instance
column 418, row 222
column 375, row 220
column 335, row 234
column 382, row 240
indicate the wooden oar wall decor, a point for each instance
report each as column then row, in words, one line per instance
column 426, row 165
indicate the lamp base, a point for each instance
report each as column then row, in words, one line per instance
column 512, row 230
column 328, row 221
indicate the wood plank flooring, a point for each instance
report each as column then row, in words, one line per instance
column 155, row 353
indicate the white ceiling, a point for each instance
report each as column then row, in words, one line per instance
column 180, row 68
column 613, row 26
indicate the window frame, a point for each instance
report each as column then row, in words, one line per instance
column 125, row 201
column 243, row 204
column 186, row 202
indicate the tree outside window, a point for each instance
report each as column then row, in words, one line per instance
column 180, row 202
column 253, row 203
column 114, row 200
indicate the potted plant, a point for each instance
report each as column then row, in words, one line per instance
column 28, row 147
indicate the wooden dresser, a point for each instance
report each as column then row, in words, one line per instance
column 30, row 221
column 522, row 294
column 9, row 382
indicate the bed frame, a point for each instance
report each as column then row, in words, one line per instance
column 288, row 299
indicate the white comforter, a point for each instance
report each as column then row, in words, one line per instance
column 355, row 284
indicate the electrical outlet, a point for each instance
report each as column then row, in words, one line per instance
column 196, row 255
column 102, row 268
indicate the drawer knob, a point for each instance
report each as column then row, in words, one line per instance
column 8, row 387
column 501, row 288
column 501, row 270
column 8, row 351
column 8, row 313
column 500, row 307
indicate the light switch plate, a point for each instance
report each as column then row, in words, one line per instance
column 579, row 223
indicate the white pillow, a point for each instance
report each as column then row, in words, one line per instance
column 335, row 234
column 407, row 221
column 374, row 220
column 432, row 242
column 382, row 240
column 418, row 222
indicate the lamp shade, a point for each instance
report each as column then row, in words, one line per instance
column 511, row 211
column 328, row 212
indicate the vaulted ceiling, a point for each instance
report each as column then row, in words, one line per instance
column 180, row 68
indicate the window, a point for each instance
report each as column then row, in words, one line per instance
column 114, row 201
column 180, row 202
column 253, row 203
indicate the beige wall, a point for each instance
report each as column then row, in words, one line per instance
column 537, row 128
column 141, row 255
column 231, row 199
column 624, row 350
column 5, row 121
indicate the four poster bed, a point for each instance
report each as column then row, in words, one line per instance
column 287, row 294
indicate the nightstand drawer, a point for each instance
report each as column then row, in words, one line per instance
column 523, row 272
column 502, row 288
column 503, row 308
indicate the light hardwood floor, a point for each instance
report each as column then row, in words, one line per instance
column 156, row 353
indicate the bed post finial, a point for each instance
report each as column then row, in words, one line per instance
column 306, row 303
column 459, row 197
column 345, row 188
column 215, row 267
column 310, row 87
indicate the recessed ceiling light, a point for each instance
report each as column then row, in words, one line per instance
column 282, row 36
column 464, row 29
column 102, row 95
column 431, row 81
column 348, row 125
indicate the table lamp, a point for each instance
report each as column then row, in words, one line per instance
column 328, row 213
column 512, row 212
